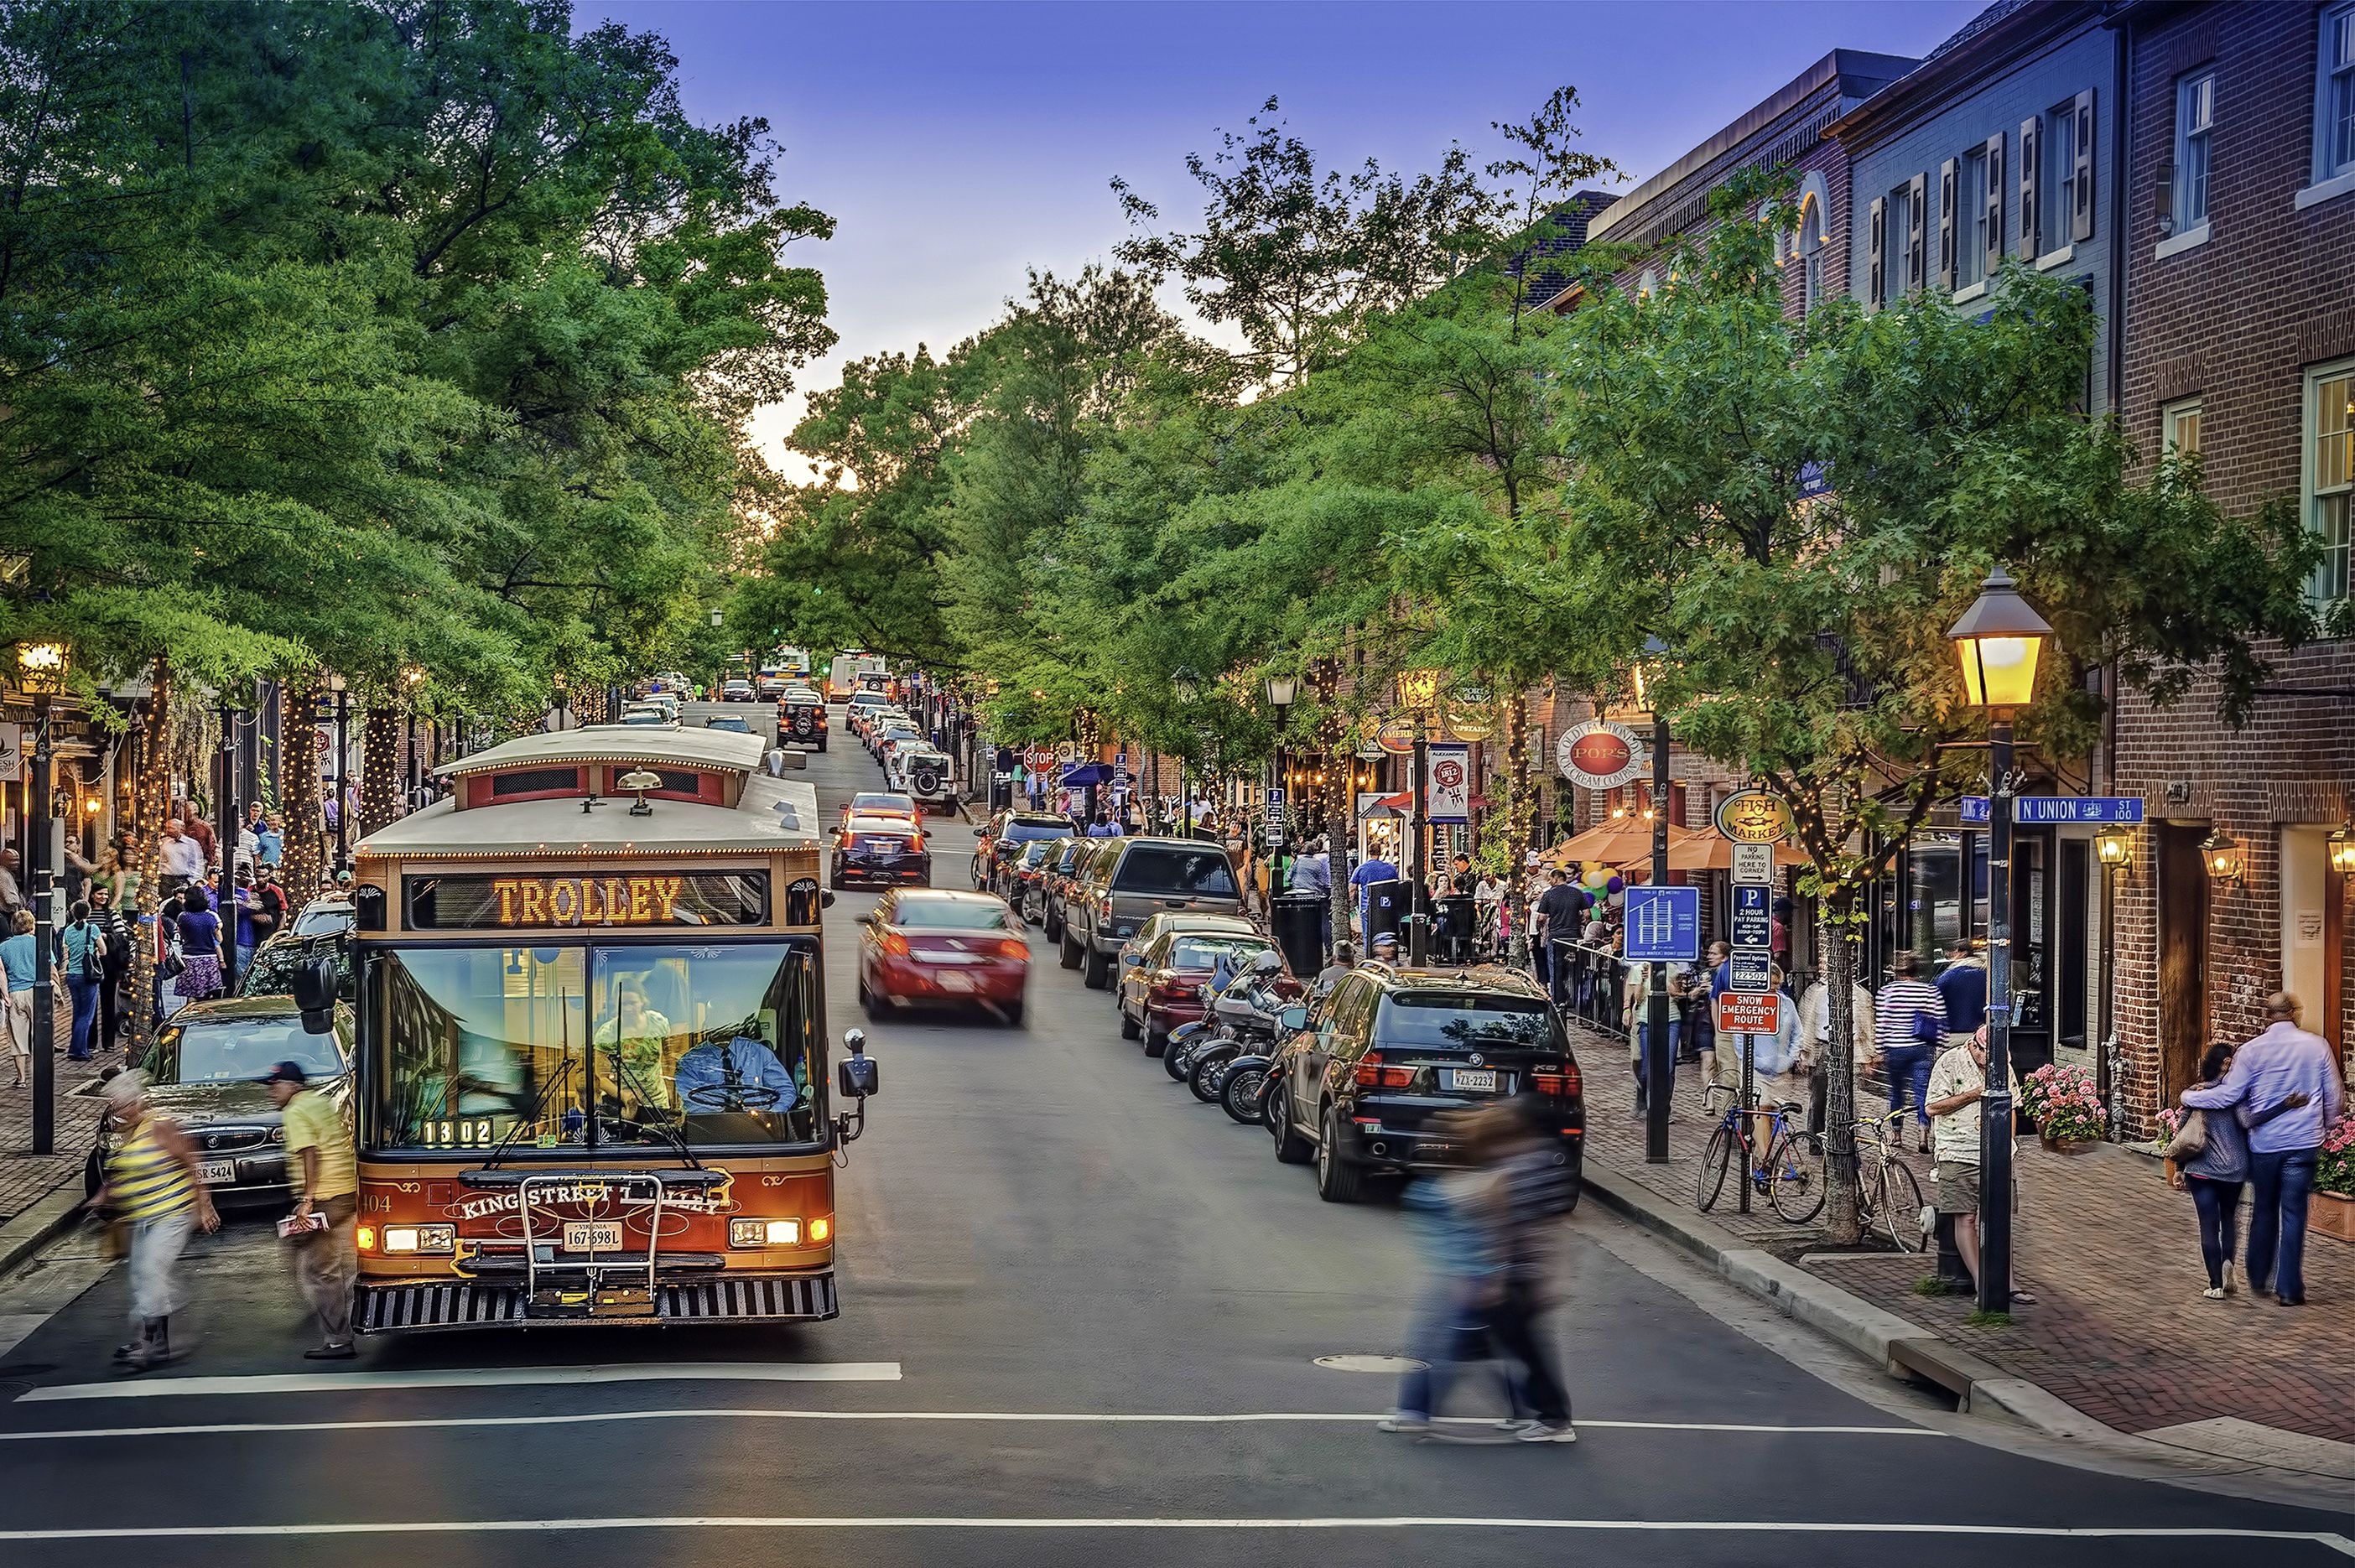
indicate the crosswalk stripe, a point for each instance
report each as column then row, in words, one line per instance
column 1350, row 1418
column 476, row 1377
column 2334, row 1541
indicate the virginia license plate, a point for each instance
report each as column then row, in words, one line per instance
column 593, row 1235
column 955, row 980
column 1482, row 1079
column 216, row 1172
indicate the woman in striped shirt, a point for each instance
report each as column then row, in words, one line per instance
column 1906, row 1048
column 154, row 1185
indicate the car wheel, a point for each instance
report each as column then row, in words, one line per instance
column 1013, row 1011
column 93, row 1175
column 1156, row 1041
column 1337, row 1181
column 1291, row 1148
column 1128, row 1026
column 1050, row 927
column 1098, row 972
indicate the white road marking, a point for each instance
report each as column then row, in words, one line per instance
column 2335, row 1543
column 1088, row 1417
column 480, row 1377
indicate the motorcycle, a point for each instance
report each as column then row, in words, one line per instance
column 1247, row 1018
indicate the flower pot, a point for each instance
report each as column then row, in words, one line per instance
column 2328, row 1214
column 2063, row 1145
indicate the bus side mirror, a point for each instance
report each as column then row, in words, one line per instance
column 315, row 993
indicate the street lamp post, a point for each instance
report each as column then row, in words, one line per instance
column 41, row 670
column 225, row 901
column 1659, row 1062
column 1999, row 641
column 1281, row 690
column 342, row 782
column 1418, row 690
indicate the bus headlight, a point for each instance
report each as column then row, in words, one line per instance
column 421, row 1238
column 764, row 1233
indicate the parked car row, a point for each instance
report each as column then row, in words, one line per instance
column 1365, row 1077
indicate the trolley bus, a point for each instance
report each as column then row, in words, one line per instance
column 591, row 1061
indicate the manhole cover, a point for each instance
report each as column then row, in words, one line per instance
column 1393, row 1365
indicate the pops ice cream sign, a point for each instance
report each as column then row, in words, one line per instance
column 1599, row 754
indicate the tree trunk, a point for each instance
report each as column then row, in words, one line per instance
column 379, row 766
column 301, row 797
column 1841, row 1220
column 149, row 801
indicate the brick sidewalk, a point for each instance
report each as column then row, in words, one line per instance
column 25, row 1179
column 2119, row 1329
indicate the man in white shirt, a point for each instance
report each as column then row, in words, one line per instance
column 1957, row 1085
column 182, row 858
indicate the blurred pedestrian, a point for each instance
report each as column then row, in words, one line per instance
column 1461, row 1215
column 2285, row 1141
column 1537, row 1192
column 155, row 1188
column 108, row 915
column 327, row 1256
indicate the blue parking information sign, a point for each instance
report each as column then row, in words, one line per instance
column 1663, row 925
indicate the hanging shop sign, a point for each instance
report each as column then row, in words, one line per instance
column 1599, row 754
column 1397, row 737
column 1753, row 816
column 1470, row 721
column 1447, row 783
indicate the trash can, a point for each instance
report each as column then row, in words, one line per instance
column 1386, row 910
column 1457, row 915
column 1298, row 920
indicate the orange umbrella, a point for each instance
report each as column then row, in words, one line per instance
column 1710, row 851
column 1618, row 841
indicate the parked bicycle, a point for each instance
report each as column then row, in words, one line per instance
column 1887, row 1195
column 1789, row 1170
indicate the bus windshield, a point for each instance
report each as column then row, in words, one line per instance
column 631, row 1047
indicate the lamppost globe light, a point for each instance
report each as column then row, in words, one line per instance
column 1281, row 690
column 1418, row 690
column 1998, row 641
column 2342, row 847
column 42, row 667
column 2115, row 846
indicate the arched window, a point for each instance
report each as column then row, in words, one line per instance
column 1811, row 251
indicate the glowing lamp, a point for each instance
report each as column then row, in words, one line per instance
column 2114, row 846
column 1418, row 688
column 2342, row 847
column 1999, row 641
column 2227, row 857
column 42, row 667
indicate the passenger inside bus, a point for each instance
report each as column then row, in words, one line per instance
column 632, row 1074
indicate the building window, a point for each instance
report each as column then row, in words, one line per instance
column 1811, row 254
column 1972, row 260
column 2179, row 428
column 1902, row 263
column 2330, row 473
column 2334, row 102
column 2195, row 117
column 2057, row 198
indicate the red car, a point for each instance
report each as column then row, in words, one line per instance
column 1164, row 987
column 929, row 946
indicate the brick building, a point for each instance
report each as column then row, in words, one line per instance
column 2238, row 273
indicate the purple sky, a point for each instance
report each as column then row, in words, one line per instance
column 957, row 144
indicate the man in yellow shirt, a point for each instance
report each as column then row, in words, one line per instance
column 327, row 1262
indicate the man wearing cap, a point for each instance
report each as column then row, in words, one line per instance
column 326, row 1261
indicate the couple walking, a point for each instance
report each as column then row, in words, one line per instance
column 1491, row 1228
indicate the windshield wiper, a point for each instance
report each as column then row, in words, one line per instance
column 532, row 1116
column 678, row 1140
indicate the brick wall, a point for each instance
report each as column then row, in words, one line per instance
column 2235, row 321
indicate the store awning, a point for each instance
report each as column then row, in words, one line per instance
column 1620, row 842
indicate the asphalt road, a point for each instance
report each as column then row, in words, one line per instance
column 1082, row 1315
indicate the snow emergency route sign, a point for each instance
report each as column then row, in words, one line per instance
column 1744, row 1012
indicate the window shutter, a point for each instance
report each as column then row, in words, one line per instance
column 2032, row 215
column 2081, row 186
column 1947, row 252
column 1877, row 291
column 1993, row 257
column 1917, row 215
column 2163, row 200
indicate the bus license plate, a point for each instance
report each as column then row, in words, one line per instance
column 593, row 1235
column 216, row 1172
column 1482, row 1079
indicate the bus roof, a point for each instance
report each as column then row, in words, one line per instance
column 769, row 814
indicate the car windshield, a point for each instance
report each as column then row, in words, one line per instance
column 1442, row 1020
column 738, row 725
column 626, row 1045
column 1176, row 872
column 889, row 804
column 1020, row 832
column 270, row 973
column 1034, row 853
column 323, row 920
column 239, row 1050
column 949, row 915
column 1204, row 952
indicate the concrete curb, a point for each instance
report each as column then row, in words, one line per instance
column 33, row 1229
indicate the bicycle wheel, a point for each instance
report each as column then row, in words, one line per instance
column 1899, row 1207
column 1713, row 1162
column 1795, row 1186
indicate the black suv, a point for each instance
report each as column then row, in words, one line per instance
column 1361, row 1082
column 801, row 720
